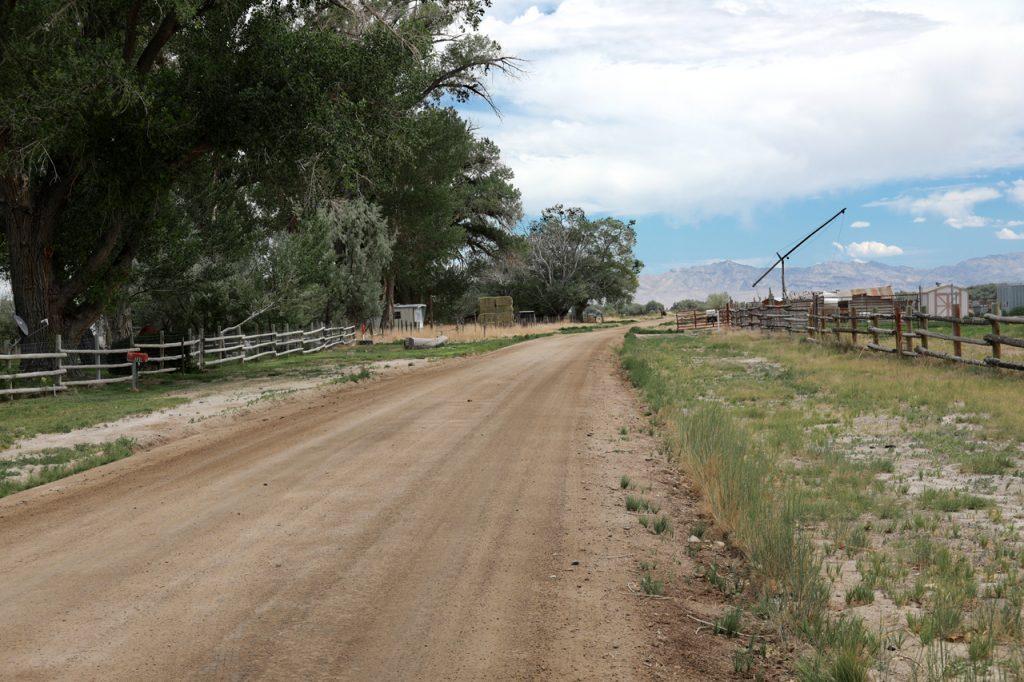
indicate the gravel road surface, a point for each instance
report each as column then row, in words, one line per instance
column 417, row 527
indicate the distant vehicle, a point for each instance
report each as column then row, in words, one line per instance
column 711, row 315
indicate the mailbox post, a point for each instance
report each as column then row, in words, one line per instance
column 137, row 359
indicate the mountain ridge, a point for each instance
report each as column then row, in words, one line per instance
column 697, row 281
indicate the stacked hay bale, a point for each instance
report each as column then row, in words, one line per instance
column 496, row 310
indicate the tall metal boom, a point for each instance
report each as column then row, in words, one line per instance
column 784, row 256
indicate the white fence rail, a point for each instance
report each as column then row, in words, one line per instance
column 164, row 357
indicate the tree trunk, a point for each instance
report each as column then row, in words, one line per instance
column 31, row 217
column 121, row 321
column 32, row 270
column 578, row 309
column 32, row 214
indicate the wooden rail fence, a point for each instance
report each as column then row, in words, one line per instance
column 93, row 366
column 695, row 320
column 851, row 326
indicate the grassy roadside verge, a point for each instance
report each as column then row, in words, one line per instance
column 79, row 408
column 29, row 471
column 876, row 501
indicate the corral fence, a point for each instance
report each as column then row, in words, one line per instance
column 49, row 367
column 696, row 320
column 887, row 327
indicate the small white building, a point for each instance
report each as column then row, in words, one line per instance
column 411, row 314
column 940, row 299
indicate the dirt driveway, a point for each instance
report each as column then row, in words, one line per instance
column 462, row 521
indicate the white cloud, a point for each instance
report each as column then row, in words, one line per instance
column 968, row 221
column 1007, row 233
column 860, row 224
column 1016, row 192
column 868, row 249
column 920, row 219
column 955, row 205
column 703, row 107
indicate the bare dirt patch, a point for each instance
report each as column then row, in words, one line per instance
column 678, row 642
column 220, row 401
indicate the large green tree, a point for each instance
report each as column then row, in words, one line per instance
column 451, row 199
column 113, row 113
column 572, row 261
column 331, row 268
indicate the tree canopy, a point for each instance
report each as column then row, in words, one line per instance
column 571, row 261
column 125, row 127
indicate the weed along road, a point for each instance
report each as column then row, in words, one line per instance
column 417, row 527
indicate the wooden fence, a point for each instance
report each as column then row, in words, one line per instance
column 695, row 320
column 96, row 366
column 903, row 334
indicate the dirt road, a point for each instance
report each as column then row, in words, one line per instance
column 422, row 526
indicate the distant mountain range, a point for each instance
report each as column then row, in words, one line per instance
column 698, row 281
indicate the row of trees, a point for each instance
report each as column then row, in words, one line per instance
column 211, row 154
column 198, row 161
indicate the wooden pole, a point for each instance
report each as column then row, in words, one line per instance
column 98, row 361
column 57, row 380
column 898, row 319
column 997, row 348
column 853, row 323
column 957, row 346
column 10, row 369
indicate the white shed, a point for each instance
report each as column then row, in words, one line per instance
column 940, row 299
column 411, row 314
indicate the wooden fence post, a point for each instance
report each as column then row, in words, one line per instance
column 98, row 360
column 58, row 379
column 997, row 347
column 812, row 318
column 160, row 363
column 10, row 368
column 821, row 320
column 874, row 330
column 957, row 346
column 898, row 319
column 202, row 349
column 853, row 323
column 923, row 327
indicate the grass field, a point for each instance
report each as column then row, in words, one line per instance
column 78, row 408
column 876, row 500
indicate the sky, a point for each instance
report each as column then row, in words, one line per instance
column 728, row 129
